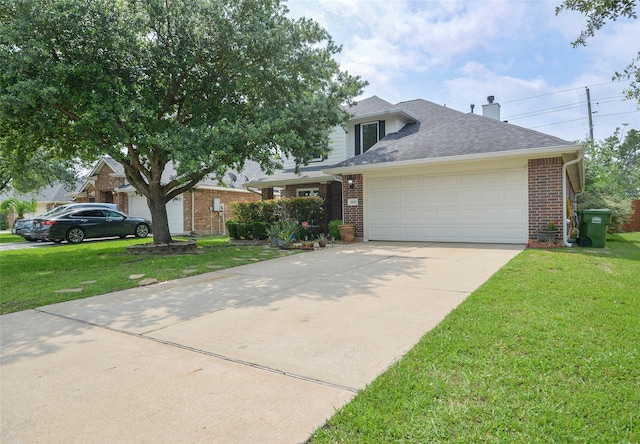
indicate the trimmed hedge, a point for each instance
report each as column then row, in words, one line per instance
column 252, row 219
column 232, row 229
column 259, row 230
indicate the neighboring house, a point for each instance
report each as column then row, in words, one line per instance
column 49, row 197
column 202, row 210
column 418, row 171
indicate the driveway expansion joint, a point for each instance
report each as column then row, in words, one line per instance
column 205, row 352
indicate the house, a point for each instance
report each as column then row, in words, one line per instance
column 418, row 171
column 202, row 210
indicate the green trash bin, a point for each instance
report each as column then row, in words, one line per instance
column 593, row 227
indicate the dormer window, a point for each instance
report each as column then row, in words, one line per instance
column 367, row 134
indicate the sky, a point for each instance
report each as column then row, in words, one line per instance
column 457, row 53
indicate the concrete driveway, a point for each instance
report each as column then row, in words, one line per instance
column 259, row 353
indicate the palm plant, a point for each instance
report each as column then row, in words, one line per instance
column 19, row 207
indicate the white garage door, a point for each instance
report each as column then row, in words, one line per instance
column 138, row 207
column 483, row 206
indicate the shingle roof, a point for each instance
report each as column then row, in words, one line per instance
column 442, row 132
column 55, row 193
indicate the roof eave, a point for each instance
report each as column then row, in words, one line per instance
column 530, row 153
column 384, row 113
column 285, row 182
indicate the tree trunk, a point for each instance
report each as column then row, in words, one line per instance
column 159, row 219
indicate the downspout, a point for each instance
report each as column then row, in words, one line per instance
column 564, row 195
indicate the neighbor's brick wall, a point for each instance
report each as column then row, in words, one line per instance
column 207, row 222
column 102, row 191
column 545, row 194
column 354, row 214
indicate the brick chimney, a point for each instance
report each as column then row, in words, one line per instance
column 491, row 110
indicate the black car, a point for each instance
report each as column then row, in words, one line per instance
column 24, row 227
column 76, row 225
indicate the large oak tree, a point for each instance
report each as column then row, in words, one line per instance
column 202, row 84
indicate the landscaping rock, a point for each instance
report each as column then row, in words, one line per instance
column 147, row 281
column 69, row 290
column 135, row 277
column 164, row 249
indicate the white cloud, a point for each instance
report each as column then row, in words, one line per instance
column 458, row 52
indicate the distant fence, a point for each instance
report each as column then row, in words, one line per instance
column 634, row 223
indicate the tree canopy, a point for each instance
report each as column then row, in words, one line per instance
column 598, row 13
column 24, row 171
column 612, row 175
column 202, row 84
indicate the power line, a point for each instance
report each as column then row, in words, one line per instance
column 567, row 107
column 564, row 90
column 582, row 118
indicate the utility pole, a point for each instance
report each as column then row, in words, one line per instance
column 590, row 114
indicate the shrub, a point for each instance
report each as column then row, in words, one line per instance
column 259, row 230
column 245, row 231
column 232, row 229
column 267, row 211
column 4, row 222
column 620, row 208
column 299, row 209
column 334, row 232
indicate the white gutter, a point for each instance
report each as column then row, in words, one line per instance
column 564, row 194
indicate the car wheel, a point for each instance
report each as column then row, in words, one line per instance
column 75, row 235
column 142, row 230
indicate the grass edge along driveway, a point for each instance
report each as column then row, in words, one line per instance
column 547, row 350
column 34, row 277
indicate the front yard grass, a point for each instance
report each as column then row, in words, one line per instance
column 30, row 277
column 547, row 350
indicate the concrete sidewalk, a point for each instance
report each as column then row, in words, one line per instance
column 259, row 353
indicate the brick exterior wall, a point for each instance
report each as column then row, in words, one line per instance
column 267, row 194
column 206, row 221
column 354, row 214
column 102, row 190
column 545, row 194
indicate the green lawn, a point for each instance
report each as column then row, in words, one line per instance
column 546, row 351
column 30, row 277
column 8, row 237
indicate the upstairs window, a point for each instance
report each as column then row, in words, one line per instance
column 367, row 135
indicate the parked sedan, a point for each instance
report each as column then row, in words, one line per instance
column 24, row 227
column 78, row 224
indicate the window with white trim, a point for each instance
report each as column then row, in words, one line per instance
column 308, row 192
column 367, row 135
